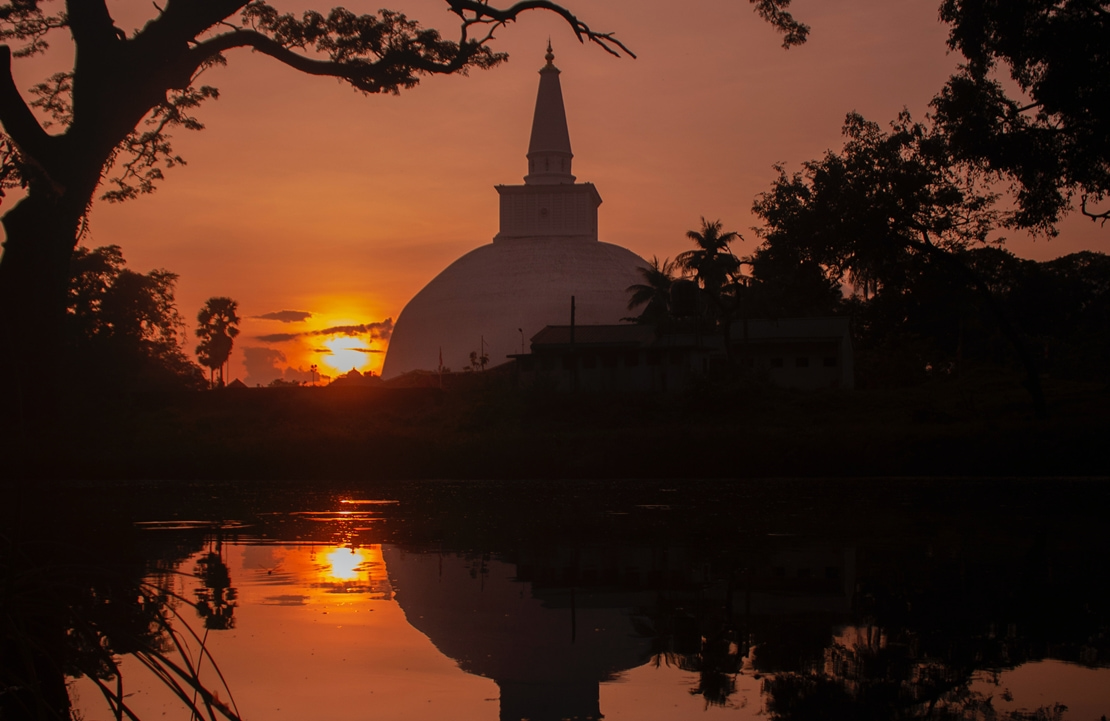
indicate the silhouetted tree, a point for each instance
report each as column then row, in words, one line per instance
column 717, row 272
column 654, row 293
column 787, row 282
column 122, row 327
column 123, row 94
column 1051, row 137
column 1048, row 131
column 886, row 206
column 478, row 361
column 114, row 108
column 217, row 327
column 712, row 263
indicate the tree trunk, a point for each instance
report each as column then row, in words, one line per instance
column 34, row 276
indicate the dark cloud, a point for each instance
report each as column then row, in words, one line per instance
column 360, row 350
column 262, row 365
column 380, row 330
column 342, row 330
column 277, row 337
column 286, row 316
column 377, row 331
column 300, row 375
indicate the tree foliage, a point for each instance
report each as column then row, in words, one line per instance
column 654, row 293
column 217, row 326
column 712, row 262
column 776, row 13
column 123, row 329
column 112, row 114
column 885, row 201
column 892, row 212
column 163, row 62
column 1052, row 137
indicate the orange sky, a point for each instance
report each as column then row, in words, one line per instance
column 304, row 195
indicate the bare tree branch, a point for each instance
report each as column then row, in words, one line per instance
column 481, row 12
column 390, row 73
column 1093, row 215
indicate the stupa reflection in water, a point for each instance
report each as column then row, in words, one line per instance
column 548, row 650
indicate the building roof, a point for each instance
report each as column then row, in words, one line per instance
column 598, row 335
column 826, row 327
column 760, row 330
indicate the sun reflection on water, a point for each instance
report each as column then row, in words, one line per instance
column 345, row 563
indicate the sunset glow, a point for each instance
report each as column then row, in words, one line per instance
column 345, row 563
column 384, row 193
column 345, row 353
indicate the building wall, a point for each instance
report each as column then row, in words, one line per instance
column 807, row 365
column 529, row 211
column 611, row 370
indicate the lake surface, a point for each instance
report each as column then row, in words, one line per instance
column 560, row 600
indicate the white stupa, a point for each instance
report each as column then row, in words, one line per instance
column 546, row 251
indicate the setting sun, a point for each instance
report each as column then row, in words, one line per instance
column 344, row 353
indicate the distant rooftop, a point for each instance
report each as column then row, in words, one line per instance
column 624, row 334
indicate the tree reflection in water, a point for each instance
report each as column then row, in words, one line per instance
column 73, row 602
column 216, row 599
column 699, row 638
column 875, row 677
column 840, row 599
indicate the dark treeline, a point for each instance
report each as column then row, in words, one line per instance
column 936, row 325
column 920, row 321
column 123, row 331
column 125, row 335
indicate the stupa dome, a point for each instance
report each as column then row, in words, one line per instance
column 499, row 295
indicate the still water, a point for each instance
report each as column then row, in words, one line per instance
column 675, row 600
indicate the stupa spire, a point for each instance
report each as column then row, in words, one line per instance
column 549, row 154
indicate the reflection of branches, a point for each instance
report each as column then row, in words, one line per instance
column 871, row 675
column 704, row 642
column 216, row 599
column 181, row 677
column 62, row 619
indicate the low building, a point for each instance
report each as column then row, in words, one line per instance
column 804, row 353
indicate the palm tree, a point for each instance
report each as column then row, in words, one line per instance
column 655, row 292
column 712, row 264
column 717, row 272
column 217, row 326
